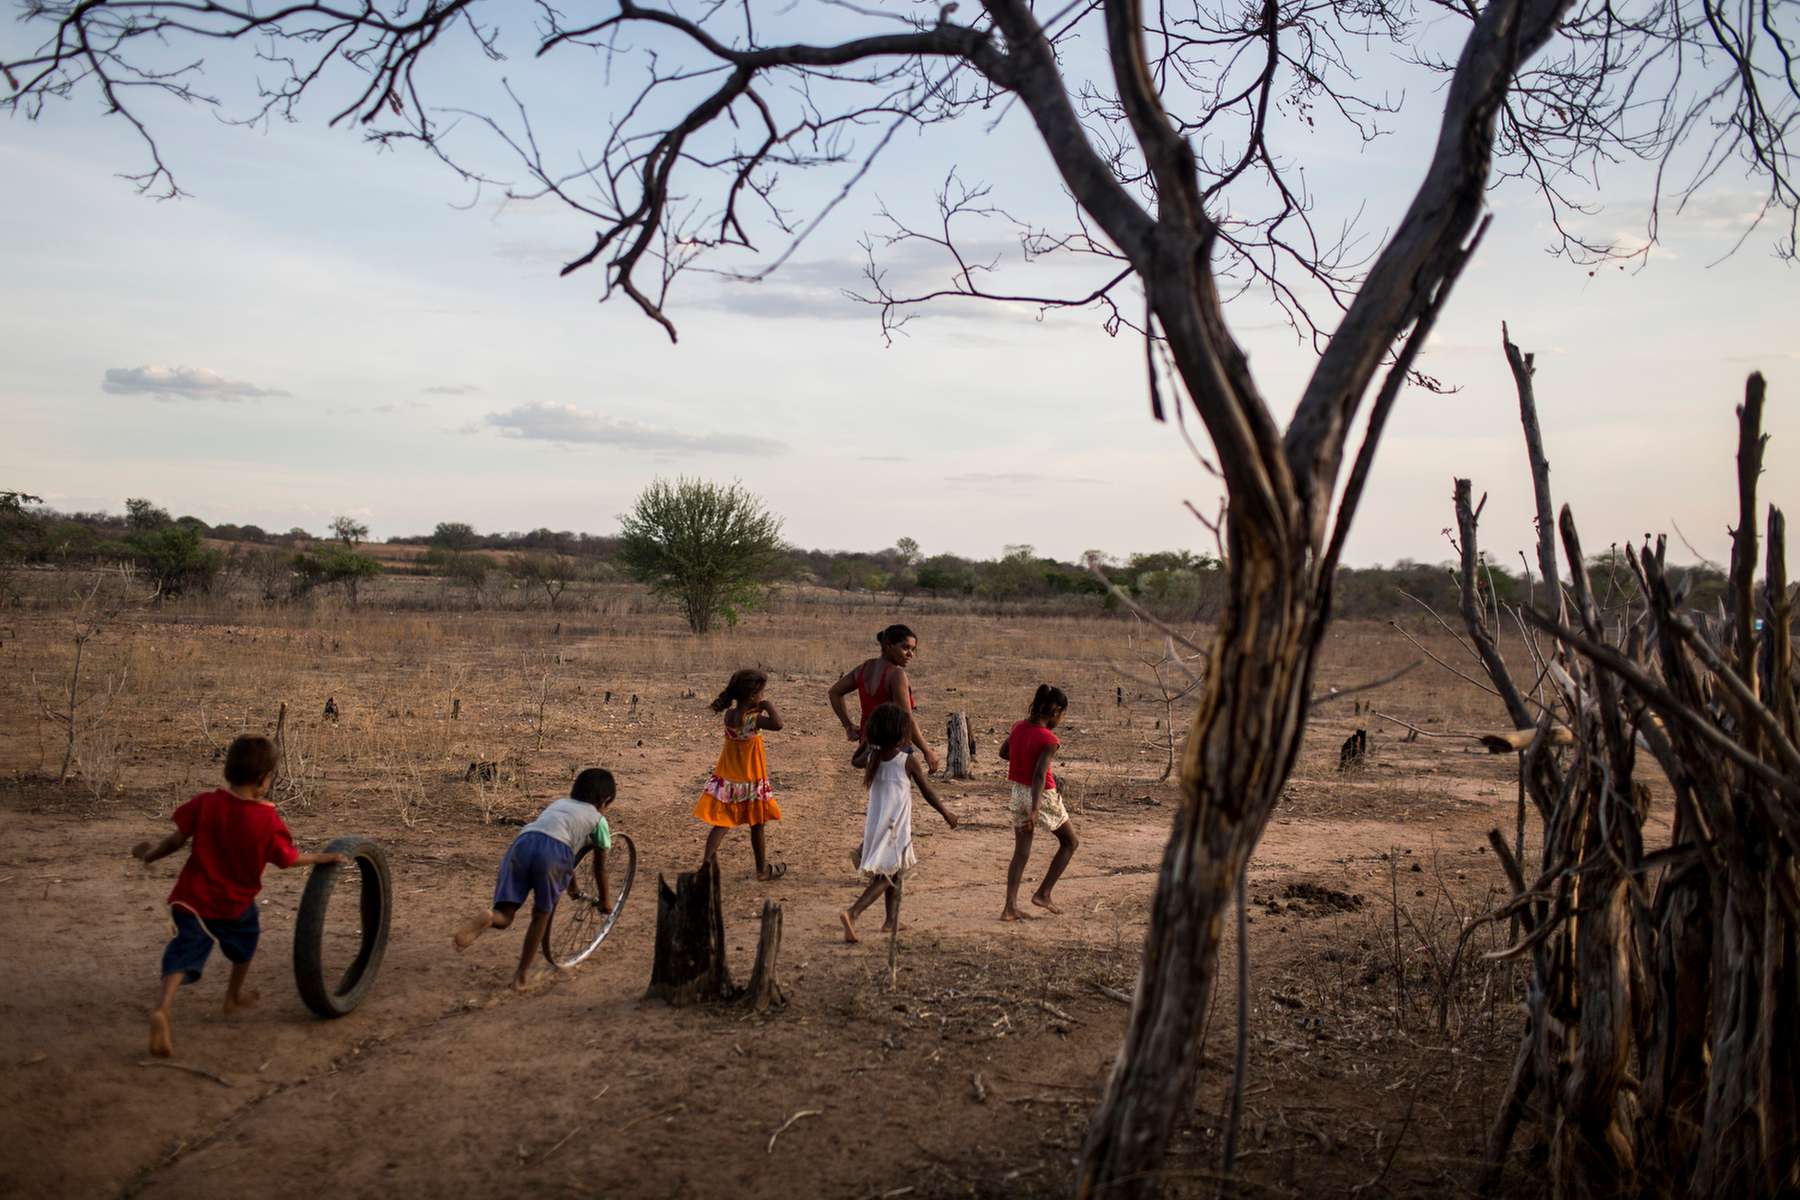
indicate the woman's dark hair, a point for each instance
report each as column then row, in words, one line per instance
column 893, row 635
column 594, row 786
column 887, row 726
column 251, row 759
column 743, row 685
column 1047, row 700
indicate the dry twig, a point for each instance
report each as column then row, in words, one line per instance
column 803, row 1113
column 202, row 1072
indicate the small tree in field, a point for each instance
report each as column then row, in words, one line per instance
column 906, row 576
column 455, row 536
column 173, row 554
column 145, row 516
column 549, row 573
column 336, row 564
column 177, row 558
column 19, row 527
column 710, row 547
column 349, row 530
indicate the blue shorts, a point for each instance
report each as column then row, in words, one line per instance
column 536, row 863
column 192, row 944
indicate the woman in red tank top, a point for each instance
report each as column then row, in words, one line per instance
column 882, row 680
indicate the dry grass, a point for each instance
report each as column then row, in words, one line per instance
column 1363, row 1011
column 523, row 682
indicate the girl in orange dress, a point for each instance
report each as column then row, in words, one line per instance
column 738, row 792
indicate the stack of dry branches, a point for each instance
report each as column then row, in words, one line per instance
column 1662, row 1046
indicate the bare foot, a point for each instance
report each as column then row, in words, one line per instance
column 1009, row 913
column 849, row 928
column 248, row 998
column 1044, row 903
column 465, row 937
column 527, row 985
column 162, row 1041
column 887, row 927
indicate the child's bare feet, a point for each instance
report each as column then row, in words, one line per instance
column 162, row 1040
column 1044, row 903
column 537, row 981
column 887, row 927
column 465, row 937
column 849, row 928
column 248, row 998
column 1009, row 913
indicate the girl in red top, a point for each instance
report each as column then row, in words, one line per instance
column 235, row 832
column 878, row 681
column 1028, row 750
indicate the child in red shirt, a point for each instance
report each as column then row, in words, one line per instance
column 1028, row 750
column 234, row 832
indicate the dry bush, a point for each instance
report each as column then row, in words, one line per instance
column 1432, row 949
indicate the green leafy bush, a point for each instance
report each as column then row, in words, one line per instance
column 711, row 548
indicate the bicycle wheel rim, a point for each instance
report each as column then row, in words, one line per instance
column 575, row 934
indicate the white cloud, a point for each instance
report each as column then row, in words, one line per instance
column 566, row 424
column 1727, row 212
column 181, row 383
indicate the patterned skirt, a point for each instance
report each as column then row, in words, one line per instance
column 738, row 791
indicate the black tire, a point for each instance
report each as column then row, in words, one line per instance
column 335, row 998
column 579, row 925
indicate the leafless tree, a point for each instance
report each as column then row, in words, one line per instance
column 93, row 609
column 1176, row 132
column 549, row 573
column 1175, row 677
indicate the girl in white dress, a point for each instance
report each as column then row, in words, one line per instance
column 887, row 850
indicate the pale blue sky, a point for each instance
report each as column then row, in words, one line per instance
column 355, row 342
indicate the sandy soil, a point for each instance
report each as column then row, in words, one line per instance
column 972, row 1076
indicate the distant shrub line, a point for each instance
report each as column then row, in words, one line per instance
column 184, row 554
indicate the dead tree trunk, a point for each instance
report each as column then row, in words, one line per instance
column 690, row 961
column 765, row 991
column 1663, row 998
column 956, row 755
column 1524, row 368
column 690, row 966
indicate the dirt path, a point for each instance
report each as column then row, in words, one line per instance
column 442, row 1079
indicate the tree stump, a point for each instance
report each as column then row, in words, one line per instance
column 690, row 965
column 765, row 990
column 690, row 961
column 960, row 749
